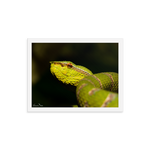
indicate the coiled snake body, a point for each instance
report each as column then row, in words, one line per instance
column 92, row 90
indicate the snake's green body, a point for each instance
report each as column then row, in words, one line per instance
column 92, row 90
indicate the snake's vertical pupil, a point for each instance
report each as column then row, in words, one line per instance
column 69, row 65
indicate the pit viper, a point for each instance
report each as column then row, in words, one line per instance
column 92, row 90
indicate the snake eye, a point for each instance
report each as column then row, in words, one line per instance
column 69, row 65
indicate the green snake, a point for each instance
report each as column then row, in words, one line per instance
column 92, row 90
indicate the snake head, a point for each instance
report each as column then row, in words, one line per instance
column 68, row 73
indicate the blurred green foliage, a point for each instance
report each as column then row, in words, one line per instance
column 46, row 91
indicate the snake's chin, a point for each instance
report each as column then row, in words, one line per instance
column 67, row 86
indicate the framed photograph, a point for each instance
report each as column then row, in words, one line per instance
column 51, row 91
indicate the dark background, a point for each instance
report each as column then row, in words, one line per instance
column 46, row 91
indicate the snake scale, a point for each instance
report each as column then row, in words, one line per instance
column 92, row 90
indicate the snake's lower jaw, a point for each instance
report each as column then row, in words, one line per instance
column 67, row 86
